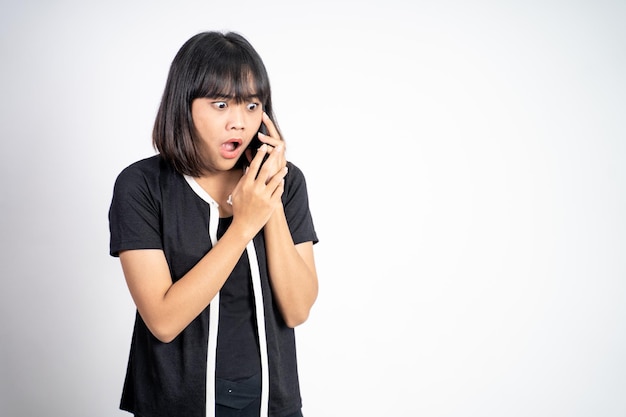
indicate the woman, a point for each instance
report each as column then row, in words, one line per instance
column 215, row 238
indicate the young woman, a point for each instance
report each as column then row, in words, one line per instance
column 215, row 238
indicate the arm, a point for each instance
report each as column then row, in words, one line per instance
column 293, row 276
column 167, row 307
column 292, row 270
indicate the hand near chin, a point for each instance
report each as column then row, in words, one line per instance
column 259, row 191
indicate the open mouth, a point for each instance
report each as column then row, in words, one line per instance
column 230, row 148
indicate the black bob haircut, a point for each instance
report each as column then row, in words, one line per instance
column 210, row 64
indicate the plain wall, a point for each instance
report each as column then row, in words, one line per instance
column 466, row 171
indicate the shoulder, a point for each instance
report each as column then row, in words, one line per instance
column 146, row 172
column 294, row 174
column 142, row 168
column 295, row 183
column 143, row 181
column 296, row 204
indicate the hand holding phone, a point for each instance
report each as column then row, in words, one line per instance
column 268, row 134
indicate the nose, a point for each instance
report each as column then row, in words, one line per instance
column 236, row 120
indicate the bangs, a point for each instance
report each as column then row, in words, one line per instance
column 238, row 86
column 232, row 75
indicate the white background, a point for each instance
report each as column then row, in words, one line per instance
column 466, row 170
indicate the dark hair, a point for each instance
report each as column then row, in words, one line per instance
column 210, row 64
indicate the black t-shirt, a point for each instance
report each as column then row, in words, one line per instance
column 153, row 207
column 237, row 343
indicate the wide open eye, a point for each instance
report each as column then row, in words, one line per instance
column 220, row 104
column 253, row 106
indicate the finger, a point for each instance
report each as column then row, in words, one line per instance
column 271, row 128
column 255, row 163
column 277, row 181
column 274, row 163
column 278, row 151
column 278, row 191
column 268, row 139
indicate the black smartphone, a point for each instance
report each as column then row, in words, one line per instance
column 256, row 143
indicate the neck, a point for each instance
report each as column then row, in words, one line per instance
column 219, row 185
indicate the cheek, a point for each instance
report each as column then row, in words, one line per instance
column 255, row 122
column 209, row 124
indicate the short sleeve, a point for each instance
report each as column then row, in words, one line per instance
column 296, row 204
column 134, row 214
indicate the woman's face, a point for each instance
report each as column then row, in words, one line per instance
column 226, row 126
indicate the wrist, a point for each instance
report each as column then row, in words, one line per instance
column 278, row 214
column 241, row 232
